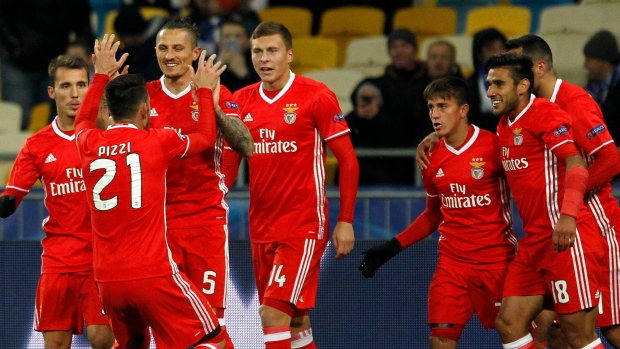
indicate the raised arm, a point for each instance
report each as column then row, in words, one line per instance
column 106, row 68
column 206, row 83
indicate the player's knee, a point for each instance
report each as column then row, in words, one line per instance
column 612, row 335
column 444, row 333
column 502, row 325
column 57, row 340
column 100, row 337
column 275, row 312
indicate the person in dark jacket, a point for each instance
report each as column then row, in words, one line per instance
column 486, row 43
column 32, row 32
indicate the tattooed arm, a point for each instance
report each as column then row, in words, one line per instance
column 235, row 133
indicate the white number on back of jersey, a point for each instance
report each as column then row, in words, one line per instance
column 133, row 161
column 275, row 275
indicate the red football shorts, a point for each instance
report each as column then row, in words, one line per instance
column 609, row 307
column 571, row 278
column 288, row 270
column 177, row 312
column 202, row 254
column 65, row 301
column 455, row 293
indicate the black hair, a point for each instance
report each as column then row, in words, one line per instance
column 533, row 46
column 520, row 66
column 185, row 24
column 124, row 96
column 448, row 87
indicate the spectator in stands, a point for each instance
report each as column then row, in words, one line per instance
column 441, row 60
column 209, row 14
column 603, row 65
column 138, row 40
column 486, row 43
column 402, row 88
column 372, row 127
column 234, row 51
column 31, row 34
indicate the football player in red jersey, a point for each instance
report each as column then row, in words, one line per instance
column 601, row 153
column 471, row 210
column 125, row 177
column 66, row 295
column 196, row 210
column 292, row 119
column 560, row 256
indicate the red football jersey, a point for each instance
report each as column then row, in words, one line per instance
column 591, row 134
column 475, row 201
column 51, row 155
column 125, row 174
column 534, row 174
column 287, row 169
column 196, row 187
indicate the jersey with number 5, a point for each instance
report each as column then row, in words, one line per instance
column 125, row 173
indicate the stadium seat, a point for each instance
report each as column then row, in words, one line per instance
column 39, row 117
column 512, row 21
column 147, row 12
column 11, row 114
column 426, row 21
column 368, row 55
column 463, row 45
column 570, row 19
column 567, row 56
column 340, row 80
column 298, row 20
column 347, row 22
column 313, row 52
column 590, row 2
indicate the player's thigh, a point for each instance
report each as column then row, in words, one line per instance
column 609, row 305
column 90, row 306
column 202, row 253
column 57, row 304
column 486, row 294
column 177, row 311
column 295, row 271
column 128, row 323
column 573, row 280
column 449, row 301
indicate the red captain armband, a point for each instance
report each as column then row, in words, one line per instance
column 574, row 188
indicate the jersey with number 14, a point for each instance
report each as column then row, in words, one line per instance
column 196, row 187
column 476, row 231
column 287, row 169
column 125, row 174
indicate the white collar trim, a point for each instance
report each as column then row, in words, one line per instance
column 282, row 92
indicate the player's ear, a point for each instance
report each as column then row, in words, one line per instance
column 464, row 110
column 51, row 92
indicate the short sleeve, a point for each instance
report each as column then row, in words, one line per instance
column 589, row 129
column 228, row 103
column 554, row 125
column 25, row 171
column 327, row 114
column 173, row 145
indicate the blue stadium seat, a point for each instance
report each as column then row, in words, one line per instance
column 536, row 7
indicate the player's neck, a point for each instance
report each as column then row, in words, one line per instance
column 547, row 86
column 279, row 83
column 65, row 123
column 459, row 136
column 521, row 104
column 177, row 85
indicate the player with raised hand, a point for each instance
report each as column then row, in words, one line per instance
column 125, row 178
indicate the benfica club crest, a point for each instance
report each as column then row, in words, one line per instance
column 518, row 136
column 477, row 171
column 194, row 112
column 290, row 116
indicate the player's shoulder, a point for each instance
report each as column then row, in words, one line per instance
column 486, row 136
column 154, row 85
column 308, row 83
column 247, row 91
